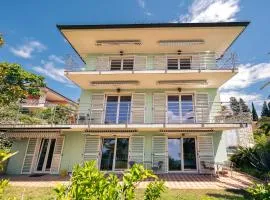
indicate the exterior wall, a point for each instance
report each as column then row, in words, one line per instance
column 73, row 150
column 15, row 163
column 219, row 141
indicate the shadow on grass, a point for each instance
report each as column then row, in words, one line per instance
column 231, row 194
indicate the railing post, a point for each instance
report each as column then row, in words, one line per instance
column 89, row 118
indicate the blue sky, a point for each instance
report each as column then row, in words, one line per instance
column 32, row 39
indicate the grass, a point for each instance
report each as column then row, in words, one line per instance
column 47, row 193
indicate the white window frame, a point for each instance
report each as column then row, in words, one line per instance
column 118, row 106
column 122, row 58
column 178, row 61
column 114, row 152
column 182, row 154
column 46, row 155
column 180, row 106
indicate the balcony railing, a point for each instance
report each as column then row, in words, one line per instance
column 125, row 113
column 174, row 113
column 168, row 62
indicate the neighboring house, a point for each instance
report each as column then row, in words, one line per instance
column 48, row 97
column 149, row 95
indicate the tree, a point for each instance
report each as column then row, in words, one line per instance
column 244, row 107
column 17, row 84
column 254, row 113
column 265, row 110
column 235, row 106
column 1, row 40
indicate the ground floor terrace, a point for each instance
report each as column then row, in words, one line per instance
column 235, row 180
column 52, row 151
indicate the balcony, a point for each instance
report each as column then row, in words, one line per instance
column 187, row 70
column 215, row 116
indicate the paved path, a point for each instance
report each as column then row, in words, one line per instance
column 172, row 181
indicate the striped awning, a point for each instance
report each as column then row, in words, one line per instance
column 33, row 133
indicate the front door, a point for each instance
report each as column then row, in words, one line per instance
column 45, row 155
column 182, row 154
column 114, row 154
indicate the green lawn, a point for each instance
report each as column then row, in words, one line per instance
column 47, row 193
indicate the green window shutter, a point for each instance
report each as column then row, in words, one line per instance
column 159, row 108
column 160, row 151
column 57, row 155
column 140, row 63
column 202, row 108
column 138, row 108
column 136, row 149
column 103, row 63
column 160, row 62
column 91, row 148
column 205, row 151
column 97, row 108
column 29, row 156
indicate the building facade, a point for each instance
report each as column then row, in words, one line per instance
column 149, row 94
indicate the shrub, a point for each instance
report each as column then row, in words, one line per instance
column 3, row 185
column 154, row 190
column 259, row 191
column 87, row 182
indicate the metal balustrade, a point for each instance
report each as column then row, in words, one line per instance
column 168, row 62
column 122, row 113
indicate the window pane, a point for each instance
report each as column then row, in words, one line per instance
column 108, row 146
column 50, row 155
column 174, row 153
column 172, row 63
column 189, row 153
column 42, row 154
column 116, row 64
column 185, row 63
column 121, row 158
column 124, row 109
column 187, row 109
column 173, row 109
column 111, row 110
column 128, row 64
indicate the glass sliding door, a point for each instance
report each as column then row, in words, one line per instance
column 107, row 156
column 189, row 152
column 118, row 109
column 187, row 109
column 114, row 154
column 180, row 109
column 174, row 154
column 111, row 110
column 124, row 109
column 45, row 155
column 173, row 114
column 121, row 157
column 182, row 154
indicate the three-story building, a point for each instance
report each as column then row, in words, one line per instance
column 149, row 95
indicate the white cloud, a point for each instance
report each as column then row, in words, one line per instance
column 49, row 69
column 26, row 50
column 211, row 11
column 225, row 96
column 142, row 4
column 56, row 59
column 248, row 74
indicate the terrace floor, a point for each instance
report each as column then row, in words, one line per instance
column 172, row 181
